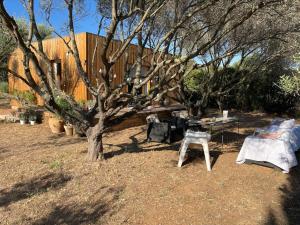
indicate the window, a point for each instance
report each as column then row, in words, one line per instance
column 131, row 76
column 56, row 66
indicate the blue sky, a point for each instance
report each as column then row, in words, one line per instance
column 87, row 23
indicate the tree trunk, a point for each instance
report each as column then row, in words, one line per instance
column 220, row 104
column 201, row 111
column 202, row 106
column 193, row 110
column 95, row 143
column 95, row 147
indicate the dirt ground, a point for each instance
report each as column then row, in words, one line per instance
column 45, row 179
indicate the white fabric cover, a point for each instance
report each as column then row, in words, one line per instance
column 280, row 151
column 197, row 134
column 287, row 124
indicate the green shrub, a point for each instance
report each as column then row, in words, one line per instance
column 63, row 103
column 194, row 80
column 3, row 87
column 246, row 91
column 82, row 103
column 90, row 103
column 28, row 96
column 259, row 92
column 290, row 84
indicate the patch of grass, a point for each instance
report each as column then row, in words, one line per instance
column 4, row 87
column 56, row 164
column 44, row 161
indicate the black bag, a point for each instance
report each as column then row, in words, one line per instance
column 166, row 131
column 159, row 132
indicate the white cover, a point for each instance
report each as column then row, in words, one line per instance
column 280, row 152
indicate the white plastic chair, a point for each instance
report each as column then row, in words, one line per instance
column 195, row 137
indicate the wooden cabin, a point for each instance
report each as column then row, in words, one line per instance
column 65, row 67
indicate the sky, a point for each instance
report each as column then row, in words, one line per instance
column 87, row 23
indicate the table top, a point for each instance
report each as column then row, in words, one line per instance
column 213, row 121
column 155, row 109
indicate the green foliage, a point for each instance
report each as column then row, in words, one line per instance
column 86, row 104
column 32, row 115
column 45, row 31
column 8, row 43
column 23, row 116
column 90, row 103
column 63, row 103
column 82, row 103
column 27, row 96
column 56, row 164
column 260, row 92
column 3, row 87
column 239, row 88
column 258, row 88
column 290, row 84
column 194, row 81
column 65, row 106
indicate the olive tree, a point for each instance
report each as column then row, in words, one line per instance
column 168, row 27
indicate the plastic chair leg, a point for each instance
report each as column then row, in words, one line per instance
column 207, row 156
column 183, row 149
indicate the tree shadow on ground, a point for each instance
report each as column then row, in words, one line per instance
column 34, row 186
column 56, row 140
column 141, row 146
column 135, row 146
column 290, row 203
column 233, row 139
column 4, row 103
column 39, row 144
column 104, row 203
column 195, row 156
column 247, row 120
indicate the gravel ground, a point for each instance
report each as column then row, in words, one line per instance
column 45, row 179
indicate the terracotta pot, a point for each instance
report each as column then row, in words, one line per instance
column 56, row 125
column 69, row 130
column 15, row 105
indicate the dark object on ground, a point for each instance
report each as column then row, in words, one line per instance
column 166, row 131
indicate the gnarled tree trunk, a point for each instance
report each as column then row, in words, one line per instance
column 95, row 142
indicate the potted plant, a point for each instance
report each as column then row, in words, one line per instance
column 83, row 104
column 69, row 129
column 32, row 118
column 56, row 124
column 90, row 104
column 23, row 118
